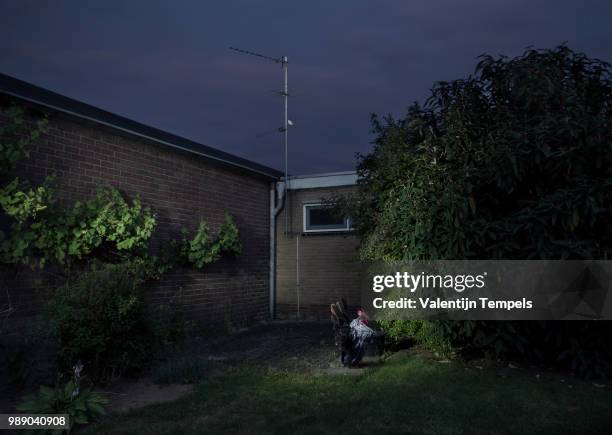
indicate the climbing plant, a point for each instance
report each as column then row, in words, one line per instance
column 98, row 312
column 203, row 249
column 18, row 199
column 38, row 230
column 105, row 227
column 41, row 230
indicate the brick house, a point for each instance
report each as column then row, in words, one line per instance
column 182, row 181
column 317, row 251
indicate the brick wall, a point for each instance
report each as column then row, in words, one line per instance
column 180, row 188
column 328, row 267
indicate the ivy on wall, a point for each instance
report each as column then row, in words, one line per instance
column 18, row 199
column 97, row 313
column 107, row 227
column 202, row 249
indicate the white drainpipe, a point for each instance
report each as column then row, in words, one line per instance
column 274, row 211
column 297, row 273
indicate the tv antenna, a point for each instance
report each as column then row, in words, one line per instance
column 284, row 63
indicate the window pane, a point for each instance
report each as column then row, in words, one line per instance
column 321, row 217
column 324, row 216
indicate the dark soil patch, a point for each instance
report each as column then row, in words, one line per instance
column 299, row 346
column 136, row 394
column 286, row 346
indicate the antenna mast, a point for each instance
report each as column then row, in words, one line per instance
column 285, row 93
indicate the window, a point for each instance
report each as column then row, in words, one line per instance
column 323, row 218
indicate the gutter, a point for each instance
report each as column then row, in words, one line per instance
column 275, row 209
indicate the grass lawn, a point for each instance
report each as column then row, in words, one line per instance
column 407, row 394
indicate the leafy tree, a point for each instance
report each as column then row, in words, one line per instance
column 513, row 162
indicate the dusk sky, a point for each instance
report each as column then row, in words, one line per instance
column 167, row 64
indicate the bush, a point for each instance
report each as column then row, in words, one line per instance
column 182, row 370
column 170, row 323
column 512, row 162
column 100, row 318
column 431, row 335
column 583, row 347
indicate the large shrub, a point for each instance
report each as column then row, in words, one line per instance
column 101, row 319
column 513, row 162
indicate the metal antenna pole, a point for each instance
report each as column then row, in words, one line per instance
column 285, row 93
column 286, row 128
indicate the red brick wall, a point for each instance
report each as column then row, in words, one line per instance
column 328, row 265
column 181, row 188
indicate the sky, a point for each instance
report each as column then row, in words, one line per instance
column 167, row 63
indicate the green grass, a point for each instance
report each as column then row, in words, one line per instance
column 407, row 394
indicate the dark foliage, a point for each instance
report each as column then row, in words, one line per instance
column 514, row 162
column 101, row 319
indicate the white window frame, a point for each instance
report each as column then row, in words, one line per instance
column 346, row 229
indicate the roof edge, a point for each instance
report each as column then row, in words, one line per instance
column 329, row 179
column 52, row 100
column 322, row 174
